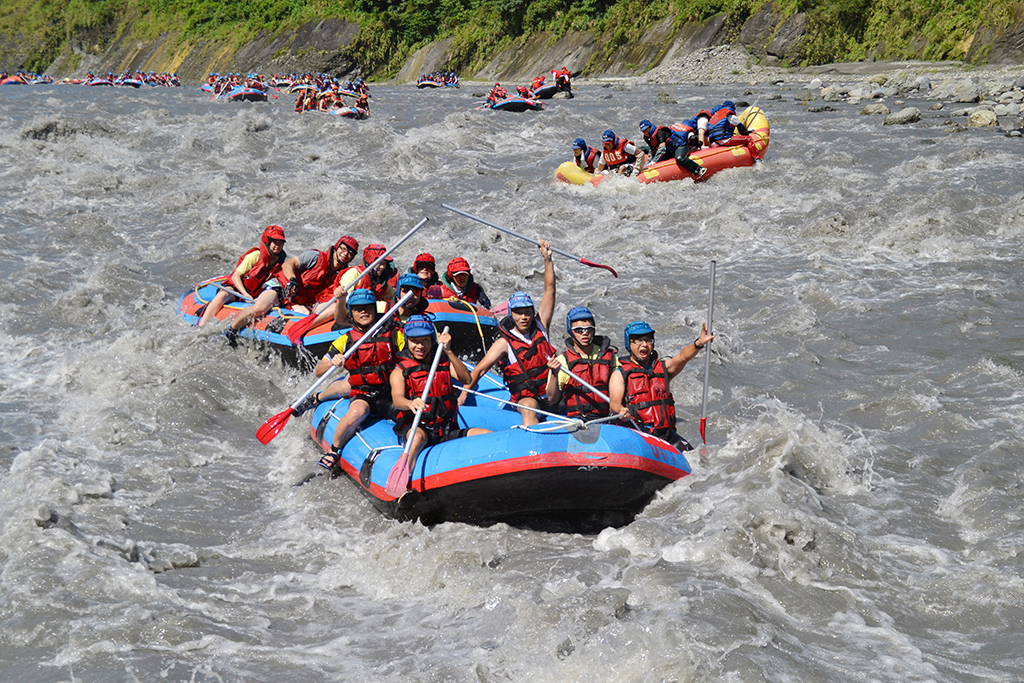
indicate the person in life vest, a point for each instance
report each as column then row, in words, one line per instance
column 666, row 143
column 425, row 268
column 368, row 385
column 523, row 92
column 304, row 276
column 327, row 300
column 585, row 156
column 458, row 283
column 381, row 281
column 563, row 79
column 522, row 351
column 440, row 412
column 641, row 387
column 592, row 358
column 253, row 269
column 715, row 127
column 618, row 154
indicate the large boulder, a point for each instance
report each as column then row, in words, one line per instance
column 903, row 116
column 875, row 108
column 787, row 40
column 982, row 118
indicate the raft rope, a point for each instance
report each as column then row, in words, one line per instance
column 221, row 278
column 561, row 418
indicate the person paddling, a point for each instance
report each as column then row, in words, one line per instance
column 585, row 156
column 618, row 154
column 254, row 268
column 522, row 351
column 368, row 384
column 641, row 387
column 440, row 412
column 592, row 358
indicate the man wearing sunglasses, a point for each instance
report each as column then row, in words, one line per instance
column 587, row 355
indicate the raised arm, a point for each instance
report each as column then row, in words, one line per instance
column 547, row 302
column 675, row 364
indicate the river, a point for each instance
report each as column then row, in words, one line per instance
column 859, row 518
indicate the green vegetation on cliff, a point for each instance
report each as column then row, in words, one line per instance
column 391, row 29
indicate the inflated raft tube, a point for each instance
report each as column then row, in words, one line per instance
column 429, row 84
column 100, row 81
column 517, row 104
column 472, row 327
column 350, row 112
column 741, row 150
column 587, row 478
column 546, row 92
column 247, row 95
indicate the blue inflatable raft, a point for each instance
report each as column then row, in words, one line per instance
column 574, row 477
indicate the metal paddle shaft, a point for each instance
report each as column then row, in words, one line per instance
column 591, row 387
column 297, row 330
column 566, row 254
column 707, row 366
column 273, row 426
column 398, row 478
column 237, row 295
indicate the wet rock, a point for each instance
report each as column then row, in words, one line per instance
column 923, row 83
column 1007, row 109
column 1019, row 83
column 982, row 119
column 818, row 110
column 832, row 95
column 814, row 84
column 966, row 98
column 936, row 107
column 903, row 116
column 879, row 79
column 898, row 103
column 875, row 108
column 806, row 95
column 1014, row 134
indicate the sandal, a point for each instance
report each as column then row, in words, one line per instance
column 329, row 461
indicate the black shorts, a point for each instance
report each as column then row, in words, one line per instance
column 381, row 406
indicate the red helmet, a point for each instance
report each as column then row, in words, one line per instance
column 372, row 252
column 424, row 258
column 349, row 242
column 458, row 265
column 273, row 232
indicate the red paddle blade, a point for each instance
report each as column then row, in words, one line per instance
column 297, row 329
column 272, row 427
column 703, row 424
column 588, row 262
column 398, row 477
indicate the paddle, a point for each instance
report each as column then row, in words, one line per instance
column 273, row 426
column 600, row 394
column 237, row 295
column 400, row 474
column 517, row 405
column 566, row 254
column 297, row 330
column 707, row 369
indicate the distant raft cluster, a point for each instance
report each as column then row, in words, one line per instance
column 125, row 79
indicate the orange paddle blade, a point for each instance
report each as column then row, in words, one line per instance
column 297, row 329
column 398, row 477
column 272, row 427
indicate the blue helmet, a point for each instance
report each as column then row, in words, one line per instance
column 410, row 280
column 419, row 326
column 636, row 328
column 729, row 105
column 360, row 297
column 577, row 313
column 519, row 300
column 608, row 136
column 646, row 125
column 579, row 143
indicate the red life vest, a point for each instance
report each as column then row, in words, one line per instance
column 379, row 289
column 617, row 155
column 327, row 293
column 471, row 295
column 577, row 400
column 369, row 368
column 648, row 394
column 528, row 375
column 442, row 411
column 587, row 160
column 311, row 280
column 264, row 269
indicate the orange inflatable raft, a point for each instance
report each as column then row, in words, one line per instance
column 741, row 150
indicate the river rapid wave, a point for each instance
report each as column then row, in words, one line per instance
column 860, row 514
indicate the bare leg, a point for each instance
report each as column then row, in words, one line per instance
column 358, row 409
column 215, row 305
column 264, row 302
column 529, row 417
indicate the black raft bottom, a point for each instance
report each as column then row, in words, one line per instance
column 562, row 499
